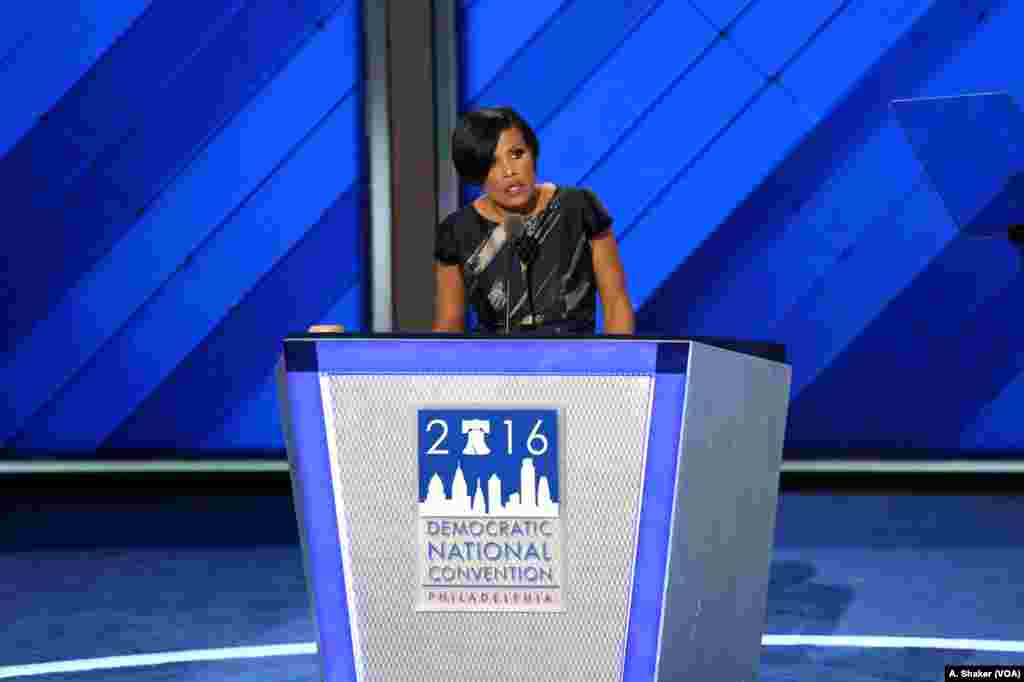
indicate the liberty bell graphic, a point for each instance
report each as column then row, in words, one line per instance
column 476, row 430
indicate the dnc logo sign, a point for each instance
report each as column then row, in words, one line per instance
column 490, row 532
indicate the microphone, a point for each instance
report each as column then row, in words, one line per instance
column 514, row 228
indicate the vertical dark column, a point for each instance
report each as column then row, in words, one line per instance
column 413, row 162
column 446, row 101
column 411, row 67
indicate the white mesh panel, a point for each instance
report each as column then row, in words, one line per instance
column 373, row 432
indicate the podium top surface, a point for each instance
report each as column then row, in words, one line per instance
column 351, row 352
column 972, row 149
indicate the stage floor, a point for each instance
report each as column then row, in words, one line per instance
column 103, row 584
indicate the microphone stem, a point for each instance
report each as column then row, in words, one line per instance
column 508, row 285
column 529, row 293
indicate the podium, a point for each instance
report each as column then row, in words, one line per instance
column 541, row 509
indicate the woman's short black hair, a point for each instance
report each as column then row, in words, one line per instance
column 476, row 137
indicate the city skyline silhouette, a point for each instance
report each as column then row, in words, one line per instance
column 463, row 498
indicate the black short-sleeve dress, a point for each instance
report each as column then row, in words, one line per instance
column 560, row 275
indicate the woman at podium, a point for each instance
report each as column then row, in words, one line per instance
column 529, row 257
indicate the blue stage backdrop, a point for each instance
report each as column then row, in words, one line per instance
column 761, row 189
column 183, row 186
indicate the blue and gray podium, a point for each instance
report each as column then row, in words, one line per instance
column 560, row 510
